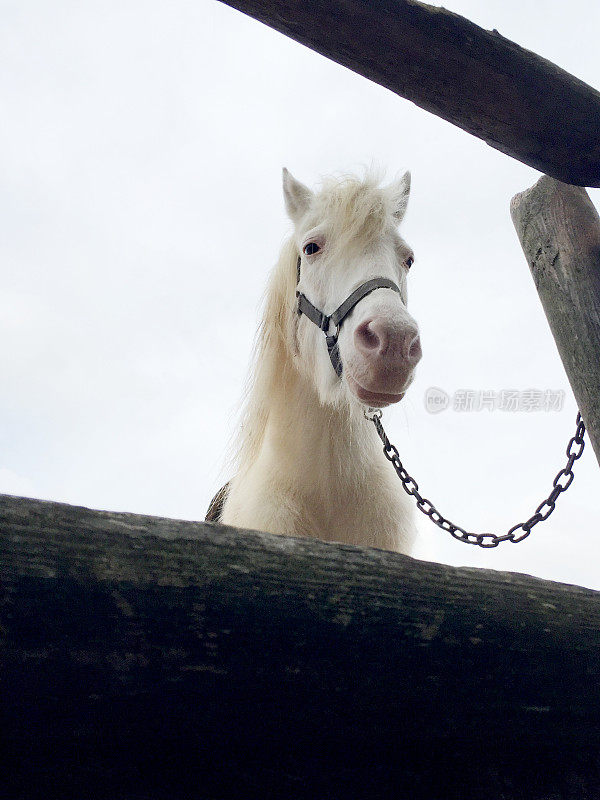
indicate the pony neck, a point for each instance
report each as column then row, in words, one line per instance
column 314, row 447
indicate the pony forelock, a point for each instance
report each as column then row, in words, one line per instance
column 355, row 211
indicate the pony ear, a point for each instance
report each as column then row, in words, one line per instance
column 297, row 196
column 400, row 191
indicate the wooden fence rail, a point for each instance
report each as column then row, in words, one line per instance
column 511, row 98
column 149, row 658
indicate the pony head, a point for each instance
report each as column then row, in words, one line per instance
column 345, row 235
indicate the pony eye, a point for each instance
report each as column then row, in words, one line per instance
column 409, row 262
column 310, row 249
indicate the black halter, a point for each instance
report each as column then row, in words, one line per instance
column 324, row 322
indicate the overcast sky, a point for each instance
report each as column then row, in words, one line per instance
column 141, row 148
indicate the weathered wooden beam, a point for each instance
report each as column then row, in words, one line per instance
column 149, row 658
column 559, row 230
column 513, row 99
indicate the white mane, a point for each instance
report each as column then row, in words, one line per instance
column 272, row 356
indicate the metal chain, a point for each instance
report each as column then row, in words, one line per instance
column 561, row 483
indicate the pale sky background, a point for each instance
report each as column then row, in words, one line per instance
column 141, row 147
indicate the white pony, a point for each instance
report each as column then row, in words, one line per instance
column 308, row 461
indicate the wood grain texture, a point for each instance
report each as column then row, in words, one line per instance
column 150, row 658
column 516, row 101
column 559, row 230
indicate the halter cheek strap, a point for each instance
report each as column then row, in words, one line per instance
column 324, row 321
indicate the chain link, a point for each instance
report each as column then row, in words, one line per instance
column 518, row 532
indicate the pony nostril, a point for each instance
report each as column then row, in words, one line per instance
column 368, row 339
column 412, row 345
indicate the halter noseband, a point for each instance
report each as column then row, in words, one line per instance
column 323, row 322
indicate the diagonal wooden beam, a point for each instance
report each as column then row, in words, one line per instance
column 516, row 101
column 152, row 658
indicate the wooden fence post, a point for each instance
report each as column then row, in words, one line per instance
column 559, row 230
